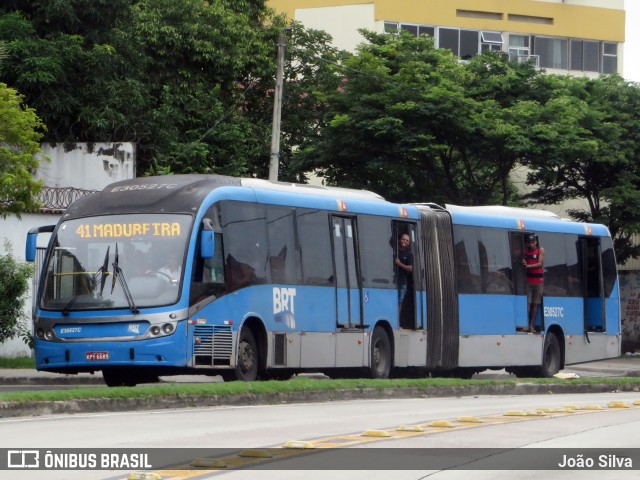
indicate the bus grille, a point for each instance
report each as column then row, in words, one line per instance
column 215, row 346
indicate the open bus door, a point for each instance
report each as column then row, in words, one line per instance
column 592, row 279
column 521, row 313
column 408, row 307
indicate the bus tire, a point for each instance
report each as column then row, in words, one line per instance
column 380, row 354
column 248, row 358
column 551, row 356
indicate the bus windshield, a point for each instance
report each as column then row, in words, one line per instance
column 116, row 261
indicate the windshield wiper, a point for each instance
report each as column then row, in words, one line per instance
column 117, row 273
column 102, row 271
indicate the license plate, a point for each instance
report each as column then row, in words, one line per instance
column 97, row 355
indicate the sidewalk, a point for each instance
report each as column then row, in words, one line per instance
column 625, row 366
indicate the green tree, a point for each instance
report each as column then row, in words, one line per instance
column 414, row 124
column 385, row 122
column 20, row 134
column 169, row 75
column 189, row 81
column 309, row 75
column 497, row 137
column 584, row 146
column 14, row 286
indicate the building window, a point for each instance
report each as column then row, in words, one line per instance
column 518, row 47
column 609, row 57
column 553, row 52
column 426, row 30
column 391, row 27
column 410, row 28
column 394, row 27
column 463, row 43
column 579, row 55
column 491, row 41
column 545, row 52
column 585, row 55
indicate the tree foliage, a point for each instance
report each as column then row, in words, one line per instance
column 169, row 75
column 412, row 122
column 20, row 134
column 584, row 147
column 14, row 286
column 189, row 81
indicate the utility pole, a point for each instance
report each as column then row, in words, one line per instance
column 274, row 161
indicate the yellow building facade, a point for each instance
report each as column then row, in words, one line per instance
column 563, row 36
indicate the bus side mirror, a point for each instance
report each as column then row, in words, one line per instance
column 32, row 238
column 30, row 252
column 207, row 242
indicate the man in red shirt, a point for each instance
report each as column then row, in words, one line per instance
column 532, row 261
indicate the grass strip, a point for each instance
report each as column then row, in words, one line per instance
column 17, row 362
column 298, row 384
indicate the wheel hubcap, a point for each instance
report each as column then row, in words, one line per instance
column 246, row 357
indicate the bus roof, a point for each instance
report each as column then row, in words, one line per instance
column 185, row 194
column 501, row 210
column 338, row 192
column 522, row 219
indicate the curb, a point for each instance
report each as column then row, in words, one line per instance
column 95, row 405
column 97, row 380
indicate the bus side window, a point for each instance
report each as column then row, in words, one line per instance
column 208, row 274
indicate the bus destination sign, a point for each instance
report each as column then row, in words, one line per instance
column 119, row 230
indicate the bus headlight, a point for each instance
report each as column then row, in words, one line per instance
column 40, row 333
column 155, row 330
column 167, row 328
column 49, row 335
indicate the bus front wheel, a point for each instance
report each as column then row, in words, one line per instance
column 247, row 361
column 380, row 354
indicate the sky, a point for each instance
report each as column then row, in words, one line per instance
column 631, row 60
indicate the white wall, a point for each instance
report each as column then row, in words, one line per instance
column 84, row 166
column 15, row 231
column 342, row 23
column 91, row 166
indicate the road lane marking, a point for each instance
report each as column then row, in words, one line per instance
column 295, row 448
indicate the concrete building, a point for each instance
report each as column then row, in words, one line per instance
column 583, row 37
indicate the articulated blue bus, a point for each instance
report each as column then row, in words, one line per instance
column 251, row 279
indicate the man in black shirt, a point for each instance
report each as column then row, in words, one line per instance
column 404, row 274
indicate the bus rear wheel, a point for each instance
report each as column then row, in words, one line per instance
column 551, row 360
column 380, row 354
column 247, row 360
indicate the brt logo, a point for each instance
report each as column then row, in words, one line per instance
column 283, row 306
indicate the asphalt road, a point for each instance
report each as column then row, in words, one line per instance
column 507, row 423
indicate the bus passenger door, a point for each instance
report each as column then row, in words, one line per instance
column 521, row 315
column 594, row 306
column 348, row 288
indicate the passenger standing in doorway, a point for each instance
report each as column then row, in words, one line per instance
column 532, row 261
column 404, row 275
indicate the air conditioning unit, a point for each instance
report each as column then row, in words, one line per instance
column 535, row 59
